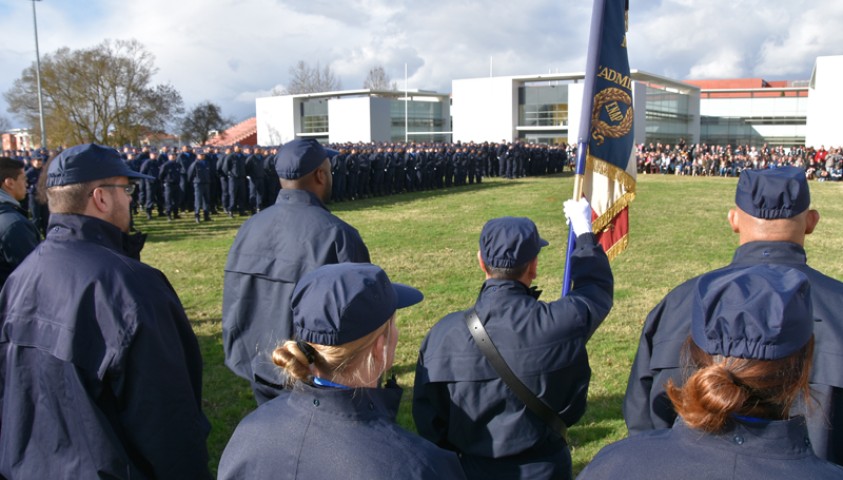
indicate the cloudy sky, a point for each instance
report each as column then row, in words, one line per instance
column 232, row 51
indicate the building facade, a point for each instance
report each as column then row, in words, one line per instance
column 355, row 116
column 753, row 111
column 547, row 109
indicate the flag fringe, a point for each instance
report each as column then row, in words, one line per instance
column 618, row 247
column 616, row 175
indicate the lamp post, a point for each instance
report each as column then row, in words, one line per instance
column 38, row 78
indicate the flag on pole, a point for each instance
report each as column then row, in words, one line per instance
column 606, row 134
column 606, row 170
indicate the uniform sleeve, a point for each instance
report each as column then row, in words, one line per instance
column 350, row 247
column 431, row 406
column 18, row 241
column 636, row 402
column 160, row 391
column 593, row 283
column 646, row 405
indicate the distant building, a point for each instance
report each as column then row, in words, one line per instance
column 354, row 116
column 18, row 139
column 825, row 103
column 547, row 108
column 244, row 133
column 752, row 111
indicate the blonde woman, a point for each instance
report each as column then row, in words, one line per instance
column 334, row 420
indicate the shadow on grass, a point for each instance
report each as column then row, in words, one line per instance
column 409, row 197
column 599, row 423
column 226, row 398
column 161, row 230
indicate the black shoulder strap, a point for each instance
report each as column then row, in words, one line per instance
column 534, row 403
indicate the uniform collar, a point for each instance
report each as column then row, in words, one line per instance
column 494, row 285
column 6, row 198
column 775, row 439
column 355, row 404
column 770, row 252
column 302, row 197
column 70, row 227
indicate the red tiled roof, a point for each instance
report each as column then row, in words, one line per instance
column 710, row 88
column 729, row 83
column 244, row 133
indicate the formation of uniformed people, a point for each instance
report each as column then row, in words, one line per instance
column 110, row 383
column 373, row 170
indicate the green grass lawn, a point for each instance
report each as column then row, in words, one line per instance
column 429, row 240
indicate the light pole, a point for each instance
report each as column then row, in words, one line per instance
column 38, row 78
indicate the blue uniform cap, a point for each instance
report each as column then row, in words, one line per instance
column 761, row 312
column 509, row 242
column 340, row 303
column 84, row 163
column 299, row 157
column 773, row 193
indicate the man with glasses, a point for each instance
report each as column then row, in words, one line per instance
column 101, row 372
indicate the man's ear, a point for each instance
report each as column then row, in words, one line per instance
column 734, row 222
column 100, row 201
column 319, row 176
column 811, row 221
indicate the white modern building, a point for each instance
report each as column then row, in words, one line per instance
column 354, row 116
column 547, row 108
column 753, row 111
column 825, row 103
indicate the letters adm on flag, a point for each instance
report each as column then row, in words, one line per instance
column 610, row 170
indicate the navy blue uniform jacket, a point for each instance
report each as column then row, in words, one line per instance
column 18, row 235
column 460, row 402
column 272, row 250
column 646, row 406
column 771, row 451
column 101, row 372
column 311, row 433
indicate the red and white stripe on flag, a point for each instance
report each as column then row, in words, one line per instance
column 609, row 190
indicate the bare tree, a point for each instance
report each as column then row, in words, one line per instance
column 101, row 94
column 5, row 124
column 379, row 80
column 198, row 123
column 307, row 79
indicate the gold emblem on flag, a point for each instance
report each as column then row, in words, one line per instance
column 620, row 123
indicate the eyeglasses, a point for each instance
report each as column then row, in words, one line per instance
column 129, row 188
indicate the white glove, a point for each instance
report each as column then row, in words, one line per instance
column 578, row 214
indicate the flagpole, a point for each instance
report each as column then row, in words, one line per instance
column 592, row 59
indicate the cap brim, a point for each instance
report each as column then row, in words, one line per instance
column 331, row 153
column 543, row 243
column 407, row 295
column 139, row 176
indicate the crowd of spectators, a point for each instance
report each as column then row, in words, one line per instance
column 821, row 164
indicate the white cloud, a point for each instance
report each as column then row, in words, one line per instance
column 230, row 51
